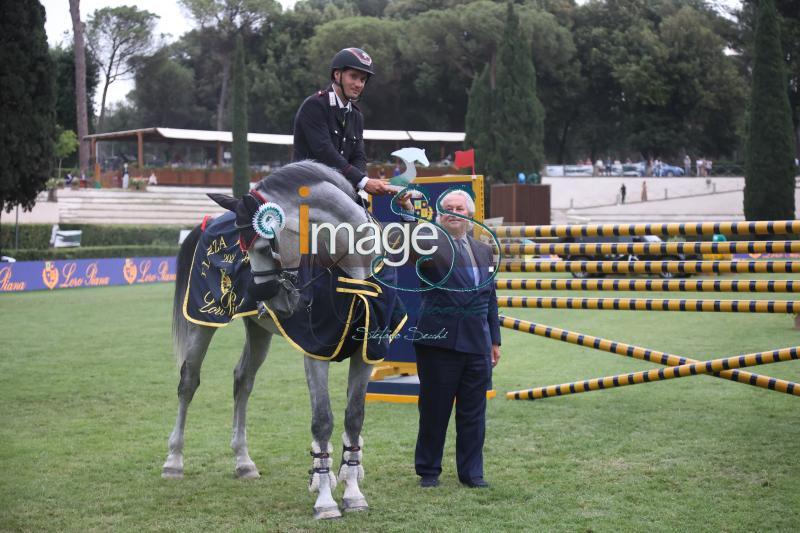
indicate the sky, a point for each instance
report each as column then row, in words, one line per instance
column 173, row 23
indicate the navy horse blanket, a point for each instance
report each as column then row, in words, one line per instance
column 337, row 315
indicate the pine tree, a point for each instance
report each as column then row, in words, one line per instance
column 241, row 150
column 769, row 172
column 27, row 104
column 505, row 119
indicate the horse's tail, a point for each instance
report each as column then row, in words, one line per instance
column 180, row 326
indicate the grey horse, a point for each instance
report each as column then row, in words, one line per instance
column 329, row 199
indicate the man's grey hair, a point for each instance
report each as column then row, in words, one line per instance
column 469, row 201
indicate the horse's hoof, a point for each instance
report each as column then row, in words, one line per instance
column 247, row 472
column 169, row 472
column 351, row 505
column 327, row 513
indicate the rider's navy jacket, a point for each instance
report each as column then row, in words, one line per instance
column 326, row 133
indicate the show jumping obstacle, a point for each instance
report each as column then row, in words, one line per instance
column 725, row 368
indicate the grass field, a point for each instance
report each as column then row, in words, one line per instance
column 87, row 388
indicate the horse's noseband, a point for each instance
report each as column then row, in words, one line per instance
column 267, row 290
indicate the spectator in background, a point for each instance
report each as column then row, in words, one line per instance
column 708, row 164
column 381, row 174
column 687, row 165
column 125, row 176
column 701, row 166
column 622, row 192
column 68, row 179
column 599, row 167
column 608, row 166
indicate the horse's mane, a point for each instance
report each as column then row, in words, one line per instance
column 287, row 179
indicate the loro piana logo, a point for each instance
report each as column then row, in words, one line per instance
column 129, row 271
column 50, row 275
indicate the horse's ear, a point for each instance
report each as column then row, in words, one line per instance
column 223, row 200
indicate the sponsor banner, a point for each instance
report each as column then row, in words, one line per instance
column 69, row 274
column 579, row 170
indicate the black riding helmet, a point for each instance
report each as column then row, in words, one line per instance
column 354, row 58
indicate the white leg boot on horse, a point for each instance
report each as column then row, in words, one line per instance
column 350, row 473
column 192, row 360
column 253, row 355
column 323, row 481
column 351, row 470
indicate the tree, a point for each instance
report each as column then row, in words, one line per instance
column 241, row 153
column 479, row 132
column 519, row 114
column 790, row 40
column 769, row 172
column 658, row 79
column 116, row 36
column 223, row 20
column 65, row 144
column 82, row 118
column 64, row 64
column 505, row 119
column 165, row 93
column 27, row 104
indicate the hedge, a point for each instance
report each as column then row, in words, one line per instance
column 91, row 252
column 37, row 236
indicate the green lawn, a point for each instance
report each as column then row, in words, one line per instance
column 88, row 382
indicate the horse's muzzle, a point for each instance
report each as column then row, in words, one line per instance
column 280, row 293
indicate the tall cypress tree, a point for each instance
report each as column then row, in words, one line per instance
column 519, row 114
column 241, row 150
column 480, row 133
column 27, row 104
column 769, row 172
column 505, row 119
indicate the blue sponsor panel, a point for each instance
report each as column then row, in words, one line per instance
column 71, row 274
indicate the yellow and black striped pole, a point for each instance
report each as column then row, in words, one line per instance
column 651, row 304
column 644, row 354
column 675, row 285
column 653, row 267
column 647, row 376
column 653, row 248
column 765, row 227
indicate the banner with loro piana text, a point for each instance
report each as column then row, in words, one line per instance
column 69, row 274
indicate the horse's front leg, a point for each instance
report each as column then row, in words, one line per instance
column 322, row 479
column 351, row 470
column 253, row 355
column 192, row 346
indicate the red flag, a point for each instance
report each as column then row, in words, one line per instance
column 465, row 159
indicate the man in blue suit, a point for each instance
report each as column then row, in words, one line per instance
column 457, row 342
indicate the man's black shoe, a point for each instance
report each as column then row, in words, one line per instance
column 428, row 482
column 475, row 483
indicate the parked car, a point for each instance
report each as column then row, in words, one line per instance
column 667, row 170
column 634, row 169
column 624, row 257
